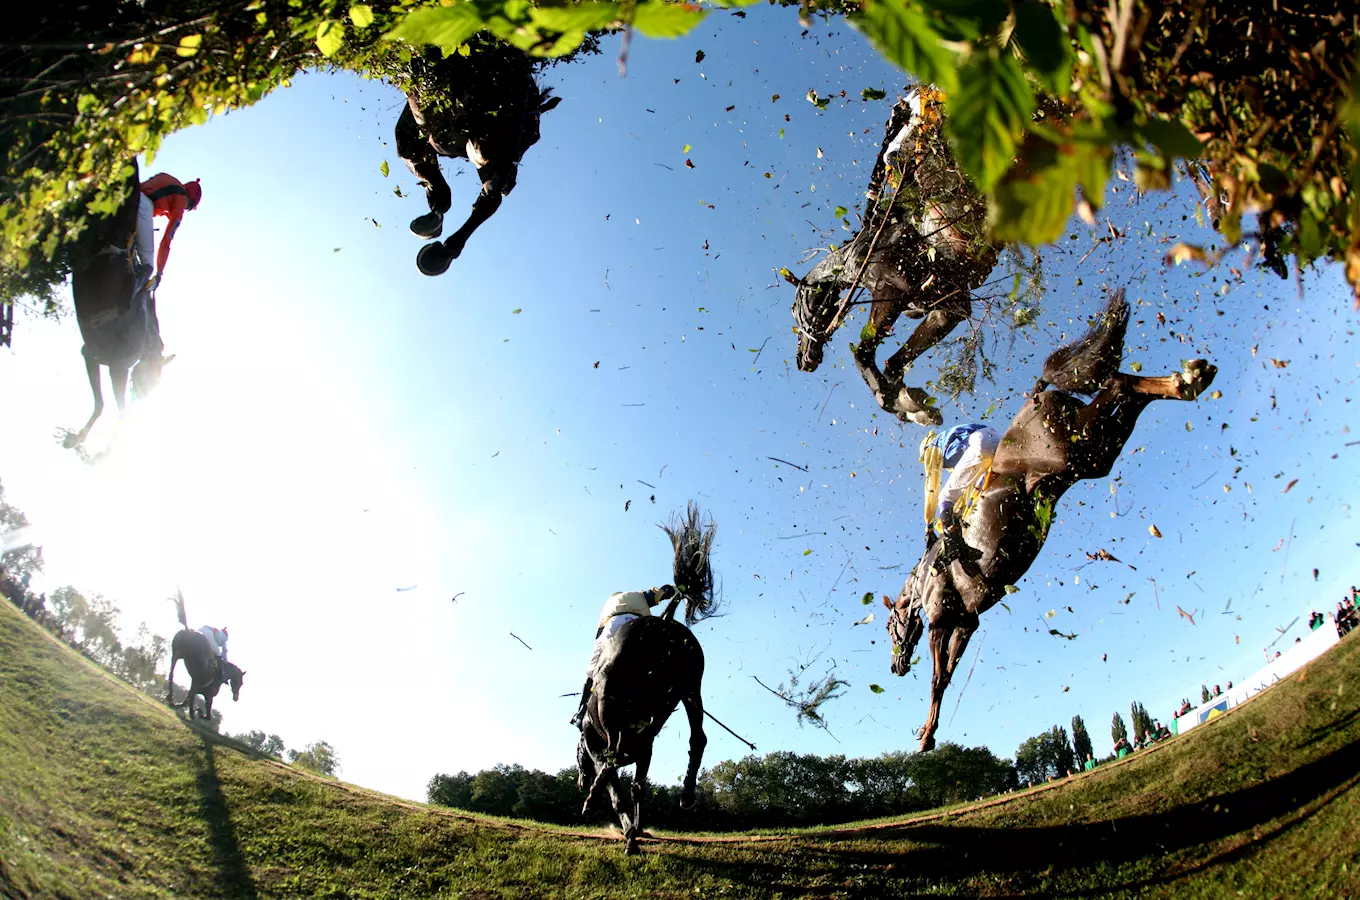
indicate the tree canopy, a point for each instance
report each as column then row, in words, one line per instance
column 1039, row 95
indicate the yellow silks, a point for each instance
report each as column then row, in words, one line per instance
column 932, row 456
column 968, row 501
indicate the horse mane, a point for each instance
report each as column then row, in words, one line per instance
column 1084, row 365
column 692, row 540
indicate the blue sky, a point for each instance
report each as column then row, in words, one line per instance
column 337, row 426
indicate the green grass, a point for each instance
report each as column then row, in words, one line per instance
column 104, row 793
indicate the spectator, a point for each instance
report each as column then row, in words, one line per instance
column 1218, row 691
column 1089, row 764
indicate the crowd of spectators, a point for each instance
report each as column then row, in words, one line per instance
column 1346, row 617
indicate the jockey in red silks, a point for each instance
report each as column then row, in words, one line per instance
column 163, row 195
column 620, row 609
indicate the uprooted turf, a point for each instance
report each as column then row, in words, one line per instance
column 103, row 793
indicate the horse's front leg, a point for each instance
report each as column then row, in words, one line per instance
column 644, row 763
column 934, row 327
column 886, row 385
column 498, row 180
column 170, row 681
column 694, row 711
column 415, row 150
column 92, row 371
column 940, row 634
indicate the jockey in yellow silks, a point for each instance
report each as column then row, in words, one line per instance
column 620, row 609
column 967, row 451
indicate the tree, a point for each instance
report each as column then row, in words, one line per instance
column 21, row 563
column 269, row 745
column 90, row 622
column 1117, row 730
column 450, row 790
column 1044, row 756
column 139, row 663
column 1081, row 741
column 1141, row 721
column 318, row 757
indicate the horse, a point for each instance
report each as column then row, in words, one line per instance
column 116, row 311
column 200, row 660
column 650, row 666
column 920, row 253
column 484, row 107
column 1056, row 440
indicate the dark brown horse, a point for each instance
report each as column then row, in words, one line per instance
column 1055, row 441
column 201, row 661
column 650, row 666
column 483, row 107
column 920, row 253
column 116, row 311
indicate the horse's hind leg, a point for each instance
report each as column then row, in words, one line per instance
column 694, row 711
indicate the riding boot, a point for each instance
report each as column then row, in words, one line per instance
column 955, row 547
column 579, row 719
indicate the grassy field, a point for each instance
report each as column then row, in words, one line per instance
column 104, row 793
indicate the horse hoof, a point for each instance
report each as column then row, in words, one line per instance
column 433, row 259
column 1196, row 375
column 631, row 848
column 428, row 226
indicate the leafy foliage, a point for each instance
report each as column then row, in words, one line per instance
column 1042, row 92
column 318, row 757
column 1117, row 730
column 1045, row 756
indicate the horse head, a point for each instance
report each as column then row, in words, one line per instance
column 905, row 629
column 235, row 677
column 816, row 301
column 146, row 374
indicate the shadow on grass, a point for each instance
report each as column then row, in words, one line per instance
column 1210, row 832
column 233, row 874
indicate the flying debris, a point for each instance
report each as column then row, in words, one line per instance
column 1189, row 615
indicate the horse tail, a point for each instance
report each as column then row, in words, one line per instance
column 692, row 540
column 1083, row 366
column 178, row 600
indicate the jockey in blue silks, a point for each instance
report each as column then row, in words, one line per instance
column 967, row 451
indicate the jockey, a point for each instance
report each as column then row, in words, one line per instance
column 217, row 638
column 967, row 451
column 163, row 195
column 620, row 609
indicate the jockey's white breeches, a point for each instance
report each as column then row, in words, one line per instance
column 219, row 649
column 146, row 231
column 611, row 627
column 972, row 464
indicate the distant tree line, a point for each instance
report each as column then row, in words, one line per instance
column 775, row 790
column 89, row 625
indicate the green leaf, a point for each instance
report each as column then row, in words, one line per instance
column 872, row 94
column 444, row 26
column 1041, row 39
column 659, row 19
column 876, row 689
column 1033, row 202
column 383, row 168
column 841, row 211
column 987, row 115
column 904, row 35
column 807, row 552
column 188, row 45
column 867, row 598
column 1172, row 138
column 587, row 16
column 330, row 34
column 361, row 14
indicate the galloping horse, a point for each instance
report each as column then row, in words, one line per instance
column 483, row 107
column 1055, row 441
column 200, row 660
column 116, row 312
column 651, row 665
column 920, row 253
